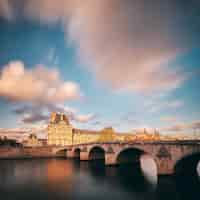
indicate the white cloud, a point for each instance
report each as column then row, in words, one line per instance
column 14, row 133
column 144, row 129
column 84, row 118
column 182, row 127
column 21, row 134
column 11, row 130
column 38, row 85
column 175, row 104
column 159, row 105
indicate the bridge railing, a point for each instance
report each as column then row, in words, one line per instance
column 183, row 142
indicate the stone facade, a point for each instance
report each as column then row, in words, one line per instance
column 61, row 133
column 108, row 134
column 27, row 152
column 85, row 136
column 59, row 130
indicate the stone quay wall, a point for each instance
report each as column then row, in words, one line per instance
column 26, row 152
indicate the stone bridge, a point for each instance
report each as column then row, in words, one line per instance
column 169, row 157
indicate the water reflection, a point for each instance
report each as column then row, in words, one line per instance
column 60, row 179
column 59, row 173
column 198, row 169
column 149, row 169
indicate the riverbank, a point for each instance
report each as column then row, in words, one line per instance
column 27, row 152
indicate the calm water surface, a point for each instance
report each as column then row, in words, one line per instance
column 61, row 179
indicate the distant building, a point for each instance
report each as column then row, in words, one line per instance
column 33, row 141
column 84, row 136
column 107, row 134
column 61, row 132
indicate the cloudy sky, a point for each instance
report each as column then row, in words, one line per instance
column 128, row 64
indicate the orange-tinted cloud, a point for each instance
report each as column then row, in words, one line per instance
column 169, row 119
column 84, row 118
column 182, row 127
column 38, row 85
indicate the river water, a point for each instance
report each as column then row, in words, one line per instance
column 61, row 179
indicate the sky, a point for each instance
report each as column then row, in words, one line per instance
column 130, row 64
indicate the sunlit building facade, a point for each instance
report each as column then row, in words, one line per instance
column 108, row 134
column 61, row 132
column 84, row 136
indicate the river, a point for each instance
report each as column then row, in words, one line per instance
column 62, row 179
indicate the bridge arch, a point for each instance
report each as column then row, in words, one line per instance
column 128, row 155
column 133, row 152
column 140, row 161
column 97, row 153
column 188, row 165
column 61, row 152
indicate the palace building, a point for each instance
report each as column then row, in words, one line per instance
column 61, row 132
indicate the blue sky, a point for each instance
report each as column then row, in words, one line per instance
column 131, row 74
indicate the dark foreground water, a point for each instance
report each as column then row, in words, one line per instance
column 60, row 179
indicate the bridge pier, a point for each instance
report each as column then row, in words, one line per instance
column 165, row 166
column 84, row 156
column 110, row 159
column 70, row 154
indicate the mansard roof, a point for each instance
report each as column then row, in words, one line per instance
column 84, row 131
column 56, row 118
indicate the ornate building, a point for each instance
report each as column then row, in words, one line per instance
column 61, row 132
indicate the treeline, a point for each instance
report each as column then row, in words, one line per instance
column 6, row 142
